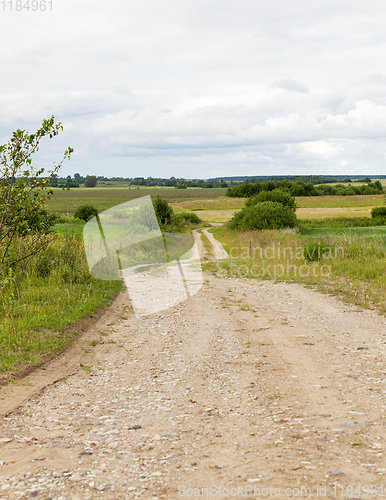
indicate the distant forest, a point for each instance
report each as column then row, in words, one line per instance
column 314, row 179
column 300, row 188
column 92, row 181
column 181, row 183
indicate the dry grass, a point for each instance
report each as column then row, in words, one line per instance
column 372, row 200
column 324, row 212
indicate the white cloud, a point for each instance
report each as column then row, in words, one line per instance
column 247, row 87
column 316, row 150
column 291, row 85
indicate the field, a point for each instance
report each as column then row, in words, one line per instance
column 210, row 204
column 103, row 198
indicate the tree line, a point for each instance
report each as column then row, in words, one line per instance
column 93, row 180
column 299, row 188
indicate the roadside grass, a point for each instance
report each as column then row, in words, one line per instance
column 103, row 198
column 207, row 245
column 353, row 265
column 40, row 299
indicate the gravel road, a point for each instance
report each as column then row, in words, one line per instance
column 249, row 385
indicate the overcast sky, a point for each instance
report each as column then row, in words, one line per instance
column 200, row 88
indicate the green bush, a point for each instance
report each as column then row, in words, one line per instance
column 264, row 215
column 276, row 195
column 85, row 212
column 162, row 210
column 189, row 217
column 377, row 212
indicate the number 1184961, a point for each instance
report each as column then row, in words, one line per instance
column 26, row 5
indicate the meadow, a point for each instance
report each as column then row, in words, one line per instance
column 102, row 198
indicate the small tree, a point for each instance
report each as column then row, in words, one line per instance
column 91, row 181
column 162, row 210
column 23, row 193
column 86, row 212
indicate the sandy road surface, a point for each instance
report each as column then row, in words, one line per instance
column 247, row 385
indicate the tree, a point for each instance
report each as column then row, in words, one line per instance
column 162, row 210
column 86, row 212
column 91, row 181
column 23, row 192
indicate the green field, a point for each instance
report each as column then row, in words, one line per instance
column 103, row 198
column 323, row 232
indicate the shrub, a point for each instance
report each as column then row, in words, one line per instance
column 189, row 217
column 276, row 195
column 181, row 186
column 264, row 215
column 377, row 212
column 162, row 210
column 85, row 212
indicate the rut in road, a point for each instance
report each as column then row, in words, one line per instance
column 248, row 384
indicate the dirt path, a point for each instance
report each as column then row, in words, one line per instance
column 217, row 248
column 247, row 385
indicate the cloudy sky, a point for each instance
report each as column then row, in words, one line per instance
column 199, row 88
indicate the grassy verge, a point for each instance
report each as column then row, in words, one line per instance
column 42, row 298
column 207, row 244
column 352, row 265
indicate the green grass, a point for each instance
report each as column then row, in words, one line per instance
column 207, row 244
column 323, row 232
column 40, row 299
column 74, row 228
